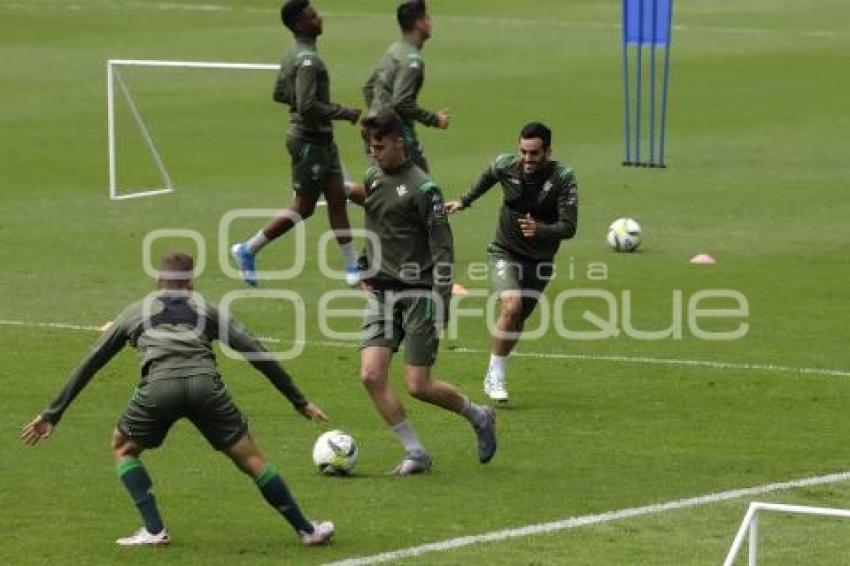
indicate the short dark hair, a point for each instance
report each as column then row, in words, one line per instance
column 537, row 130
column 384, row 123
column 290, row 11
column 176, row 269
column 409, row 12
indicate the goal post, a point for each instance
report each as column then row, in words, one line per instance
column 115, row 86
column 748, row 530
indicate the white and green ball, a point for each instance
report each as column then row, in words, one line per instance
column 624, row 235
column 335, row 453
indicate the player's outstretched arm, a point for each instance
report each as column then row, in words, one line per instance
column 313, row 413
column 40, row 428
column 233, row 334
column 112, row 342
column 484, row 183
column 454, row 206
column 443, row 118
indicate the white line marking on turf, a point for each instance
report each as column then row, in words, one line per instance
column 584, row 520
column 539, row 355
column 59, row 325
column 673, row 362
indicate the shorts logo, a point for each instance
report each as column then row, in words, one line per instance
column 317, row 170
column 401, row 190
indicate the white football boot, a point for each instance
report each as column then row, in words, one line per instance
column 322, row 533
column 414, row 463
column 142, row 538
column 494, row 388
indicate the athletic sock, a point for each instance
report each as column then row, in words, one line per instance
column 408, row 437
column 497, row 365
column 475, row 414
column 137, row 481
column 349, row 254
column 274, row 490
column 257, row 242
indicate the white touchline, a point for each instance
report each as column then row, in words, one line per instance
column 584, row 520
column 540, row 355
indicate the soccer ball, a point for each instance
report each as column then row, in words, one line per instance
column 624, row 235
column 335, row 453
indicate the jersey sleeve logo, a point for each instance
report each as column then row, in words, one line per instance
column 437, row 201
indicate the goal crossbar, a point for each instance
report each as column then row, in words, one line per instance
column 749, row 525
column 113, row 78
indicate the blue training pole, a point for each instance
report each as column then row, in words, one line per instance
column 638, row 81
column 652, row 84
column 628, row 140
column 666, row 81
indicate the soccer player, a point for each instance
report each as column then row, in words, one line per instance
column 408, row 275
column 539, row 210
column 303, row 84
column 396, row 81
column 172, row 330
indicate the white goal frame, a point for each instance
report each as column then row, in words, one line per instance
column 113, row 78
column 749, row 526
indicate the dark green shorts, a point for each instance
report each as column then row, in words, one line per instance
column 204, row 400
column 313, row 165
column 393, row 317
column 512, row 273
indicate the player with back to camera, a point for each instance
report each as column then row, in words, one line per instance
column 397, row 79
column 408, row 276
column 304, row 85
column 539, row 210
column 172, row 331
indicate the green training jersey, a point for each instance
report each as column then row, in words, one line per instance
column 405, row 210
column 303, row 83
column 395, row 83
column 172, row 333
column 550, row 196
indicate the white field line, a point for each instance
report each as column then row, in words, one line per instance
column 608, row 26
column 539, row 355
column 585, row 520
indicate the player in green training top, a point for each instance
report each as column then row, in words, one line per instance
column 303, row 84
column 408, row 275
column 172, row 331
column 539, row 210
column 396, row 81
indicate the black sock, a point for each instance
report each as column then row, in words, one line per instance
column 274, row 490
column 139, row 484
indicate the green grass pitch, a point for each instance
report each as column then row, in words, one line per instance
column 757, row 153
